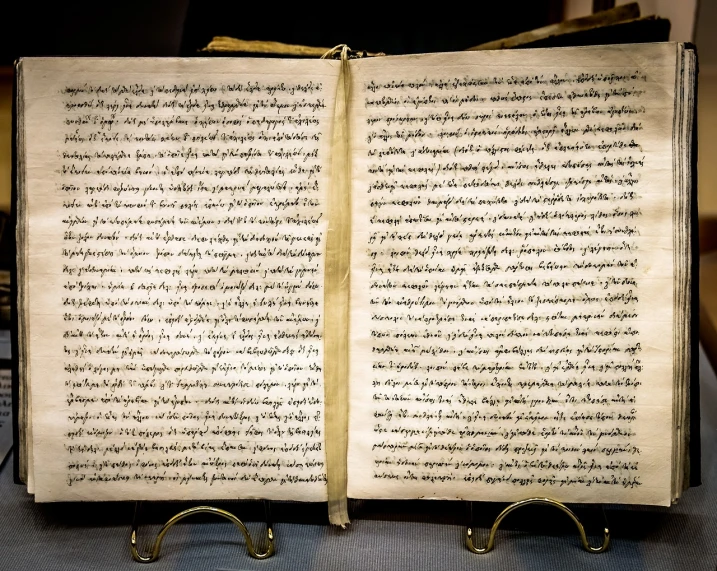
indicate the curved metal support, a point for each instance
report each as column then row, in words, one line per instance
column 545, row 501
column 154, row 555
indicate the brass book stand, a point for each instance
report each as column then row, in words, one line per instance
column 536, row 501
column 154, row 554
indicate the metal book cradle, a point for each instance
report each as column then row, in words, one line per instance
column 269, row 547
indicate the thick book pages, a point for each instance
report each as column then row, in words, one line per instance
column 519, row 261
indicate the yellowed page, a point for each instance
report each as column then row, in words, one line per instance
column 512, row 275
column 176, row 229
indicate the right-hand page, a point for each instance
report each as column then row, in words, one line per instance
column 512, row 275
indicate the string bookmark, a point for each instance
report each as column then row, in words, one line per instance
column 336, row 300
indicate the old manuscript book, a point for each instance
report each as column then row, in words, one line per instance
column 459, row 276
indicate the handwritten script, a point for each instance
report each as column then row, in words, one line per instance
column 507, row 267
column 190, row 245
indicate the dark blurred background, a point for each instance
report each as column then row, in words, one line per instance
column 180, row 27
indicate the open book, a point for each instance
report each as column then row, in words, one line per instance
column 460, row 276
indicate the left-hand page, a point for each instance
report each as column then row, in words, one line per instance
column 174, row 261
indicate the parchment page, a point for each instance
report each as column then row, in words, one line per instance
column 176, row 256
column 512, row 318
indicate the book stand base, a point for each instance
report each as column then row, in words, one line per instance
column 532, row 501
column 154, row 554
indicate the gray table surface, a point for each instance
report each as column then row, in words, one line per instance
column 383, row 535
